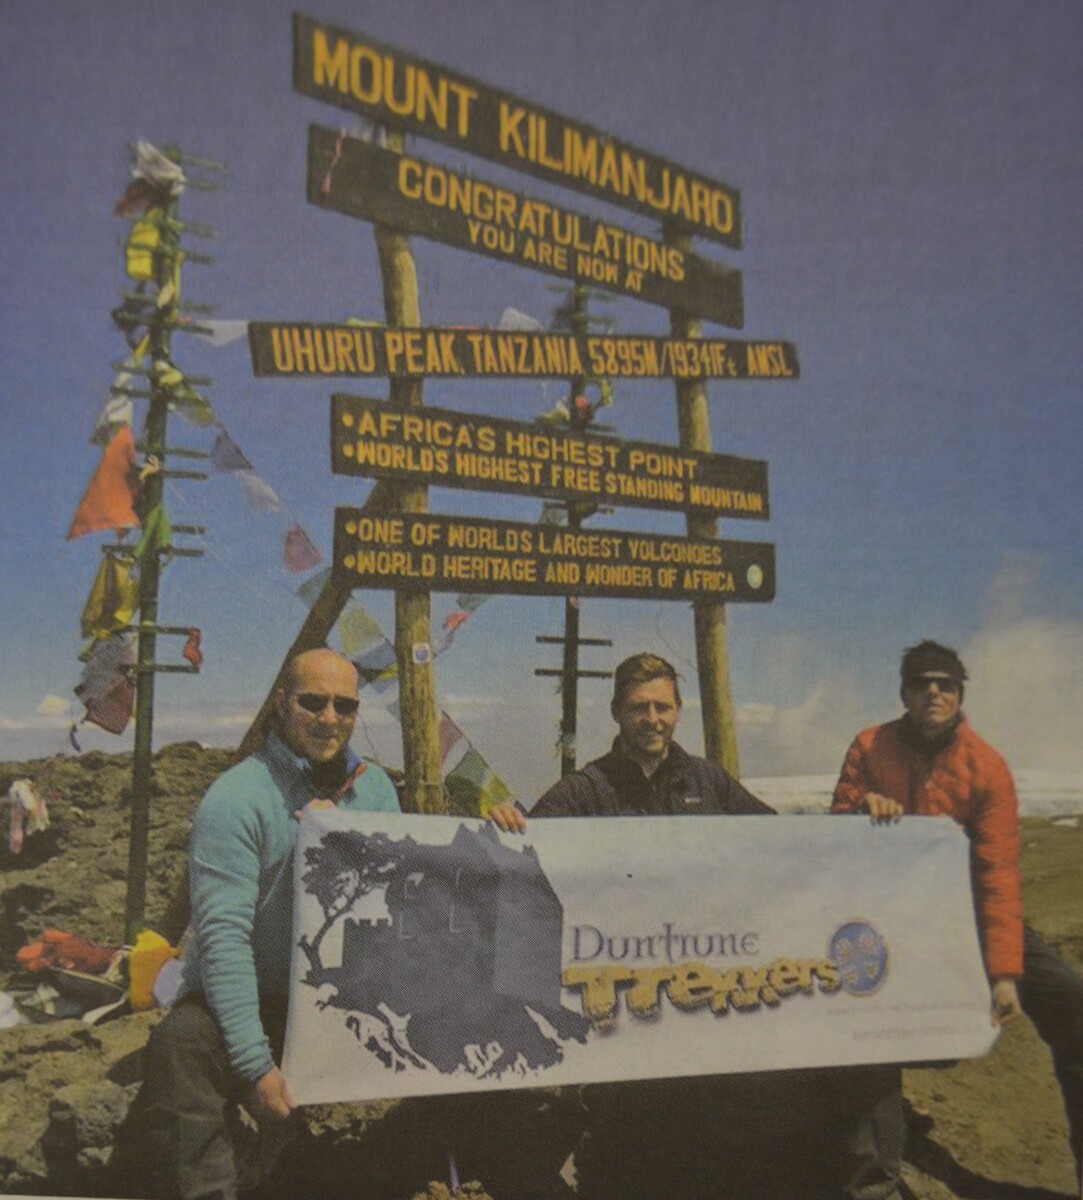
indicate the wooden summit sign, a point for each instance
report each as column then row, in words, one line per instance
column 362, row 180
column 388, row 86
column 303, row 348
column 441, row 448
column 423, row 552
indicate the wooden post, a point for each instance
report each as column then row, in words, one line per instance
column 709, row 615
column 424, row 792
column 417, row 695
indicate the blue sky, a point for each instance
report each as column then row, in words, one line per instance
column 910, row 178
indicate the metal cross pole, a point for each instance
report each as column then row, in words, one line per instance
column 160, row 316
column 569, row 682
column 569, row 673
column 709, row 615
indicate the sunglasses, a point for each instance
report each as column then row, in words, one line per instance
column 946, row 686
column 344, row 706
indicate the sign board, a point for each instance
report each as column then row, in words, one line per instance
column 424, row 552
column 355, row 177
column 366, row 351
column 449, row 449
column 434, row 955
column 353, row 72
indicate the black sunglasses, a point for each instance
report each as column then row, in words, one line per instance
column 312, row 702
column 949, row 687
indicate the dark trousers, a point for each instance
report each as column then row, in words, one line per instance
column 774, row 1135
column 1051, row 993
column 186, row 1126
column 863, row 1132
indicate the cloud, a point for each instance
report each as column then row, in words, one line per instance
column 1011, row 590
column 1026, row 691
column 1024, row 696
column 37, row 721
column 53, row 706
column 808, row 736
column 185, row 720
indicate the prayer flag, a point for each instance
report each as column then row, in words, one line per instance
column 309, row 591
column 226, row 454
column 192, row 652
column 107, row 501
column 113, row 599
column 117, row 410
column 357, row 631
column 153, row 166
column 450, row 737
column 138, row 196
column 300, row 554
column 104, row 687
column 142, row 243
column 375, row 662
column 453, row 620
column 261, row 496
column 472, row 768
column 221, row 333
column 512, row 318
column 113, row 710
column 157, row 534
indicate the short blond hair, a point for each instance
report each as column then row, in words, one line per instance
column 641, row 668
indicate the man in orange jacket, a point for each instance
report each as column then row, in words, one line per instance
column 930, row 762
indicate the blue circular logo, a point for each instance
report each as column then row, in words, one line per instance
column 860, row 954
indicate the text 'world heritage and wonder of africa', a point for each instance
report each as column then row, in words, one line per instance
column 424, row 552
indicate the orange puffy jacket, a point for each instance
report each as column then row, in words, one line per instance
column 966, row 780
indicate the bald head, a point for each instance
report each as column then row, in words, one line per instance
column 321, row 656
column 317, row 704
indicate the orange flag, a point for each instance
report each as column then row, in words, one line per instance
column 107, row 501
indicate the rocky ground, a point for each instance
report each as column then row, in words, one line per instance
column 989, row 1129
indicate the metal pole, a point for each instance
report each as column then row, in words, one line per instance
column 149, row 573
column 569, row 683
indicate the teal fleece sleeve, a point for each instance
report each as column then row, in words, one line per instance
column 225, row 859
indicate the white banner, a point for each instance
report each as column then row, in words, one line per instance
column 433, row 954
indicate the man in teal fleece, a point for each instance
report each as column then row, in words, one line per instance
column 218, row 1046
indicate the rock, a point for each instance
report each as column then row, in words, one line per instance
column 82, row 1122
column 66, row 1089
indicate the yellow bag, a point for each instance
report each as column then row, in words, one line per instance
column 149, row 954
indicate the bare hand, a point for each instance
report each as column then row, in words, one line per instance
column 882, row 809
column 268, row 1099
column 508, row 818
column 1005, row 1001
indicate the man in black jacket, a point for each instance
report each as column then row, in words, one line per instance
column 700, row 1137
column 646, row 773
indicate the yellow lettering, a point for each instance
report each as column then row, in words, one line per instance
column 509, row 134
column 359, row 56
column 330, row 69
